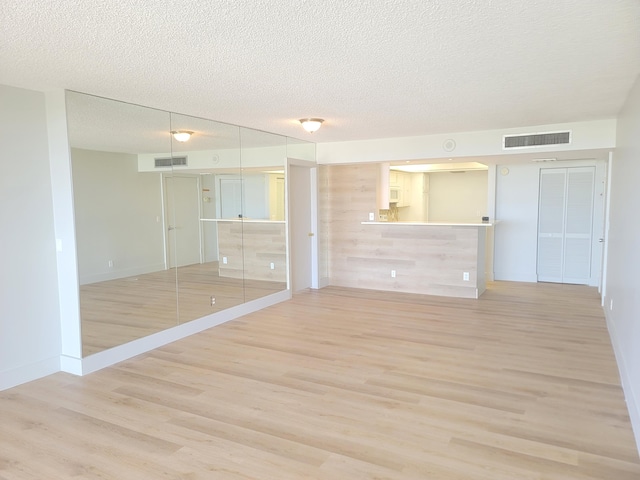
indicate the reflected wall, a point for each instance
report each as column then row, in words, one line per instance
column 168, row 231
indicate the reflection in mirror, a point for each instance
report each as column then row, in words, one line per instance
column 193, row 200
column 263, row 227
column 169, row 231
column 126, row 292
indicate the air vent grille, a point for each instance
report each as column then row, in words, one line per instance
column 170, row 161
column 537, row 140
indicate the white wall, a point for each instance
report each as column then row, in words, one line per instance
column 118, row 214
column 623, row 286
column 457, row 197
column 29, row 310
column 584, row 136
column 516, row 234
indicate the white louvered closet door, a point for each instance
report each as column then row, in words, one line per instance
column 565, row 218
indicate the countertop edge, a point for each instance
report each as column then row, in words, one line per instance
column 434, row 224
column 238, row 220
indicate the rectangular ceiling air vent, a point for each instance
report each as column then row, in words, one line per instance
column 170, row 161
column 536, row 140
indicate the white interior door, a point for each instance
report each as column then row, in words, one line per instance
column 565, row 224
column 302, row 232
column 183, row 220
column 230, row 197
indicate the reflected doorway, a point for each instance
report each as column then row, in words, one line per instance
column 183, row 220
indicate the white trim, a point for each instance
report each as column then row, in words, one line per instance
column 64, row 224
column 631, row 398
column 605, row 247
column 27, row 373
column 71, row 365
column 315, row 266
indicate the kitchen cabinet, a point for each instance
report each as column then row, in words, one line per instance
column 400, row 188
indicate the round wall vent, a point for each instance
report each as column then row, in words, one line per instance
column 449, row 145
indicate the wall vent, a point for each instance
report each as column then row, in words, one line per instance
column 536, row 140
column 170, row 161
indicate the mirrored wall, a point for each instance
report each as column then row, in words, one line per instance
column 172, row 229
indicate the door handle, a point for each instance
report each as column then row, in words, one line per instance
column 310, row 234
column 171, row 228
column 601, row 240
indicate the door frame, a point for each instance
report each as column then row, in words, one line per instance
column 165, row 216
column 602, row 287
column 598, row 250
column 292, row 230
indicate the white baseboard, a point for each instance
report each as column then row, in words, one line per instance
column 71, row 364
column 27, row 373
column 120, row 273
column 120, row 353
column 630, row 396
column 515, row 277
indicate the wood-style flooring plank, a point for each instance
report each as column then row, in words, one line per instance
column 346, row 383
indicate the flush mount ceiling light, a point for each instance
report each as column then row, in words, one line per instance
column 181, row 135
column 311, row 124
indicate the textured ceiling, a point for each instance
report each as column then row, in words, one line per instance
column 372, row 69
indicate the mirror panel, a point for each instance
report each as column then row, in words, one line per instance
column 126, row 292
column 264, row 256
column 200, row 194
column 170, row 231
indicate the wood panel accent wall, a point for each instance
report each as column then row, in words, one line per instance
column 427, row 259
column 250, row 247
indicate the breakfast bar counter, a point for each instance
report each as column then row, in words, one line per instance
column 443, row 258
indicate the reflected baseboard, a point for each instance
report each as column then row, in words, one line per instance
column 120, row 353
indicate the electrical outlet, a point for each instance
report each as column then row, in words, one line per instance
column 213, row 300
column 272, row 265
column 224, row 260
column 110, row 263
column 372, row 217
column 465, row 276
column 393, row 274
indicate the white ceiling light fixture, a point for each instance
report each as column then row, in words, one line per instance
column 311, row 124
column 181, row 135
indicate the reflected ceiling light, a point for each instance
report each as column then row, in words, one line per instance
column 311, row 124
column 181, row 135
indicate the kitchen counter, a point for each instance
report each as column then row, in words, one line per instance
column 432, row 258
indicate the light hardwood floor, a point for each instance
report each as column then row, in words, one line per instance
column 117, row 311
column 346, row 384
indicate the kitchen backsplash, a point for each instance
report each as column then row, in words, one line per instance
column 390, row 214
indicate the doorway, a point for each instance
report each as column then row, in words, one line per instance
column 565, row 225
column 182, row 211
column 302, row 189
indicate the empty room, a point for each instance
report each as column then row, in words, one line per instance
column 318, row 240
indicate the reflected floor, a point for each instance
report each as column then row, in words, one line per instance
column 118, row 311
